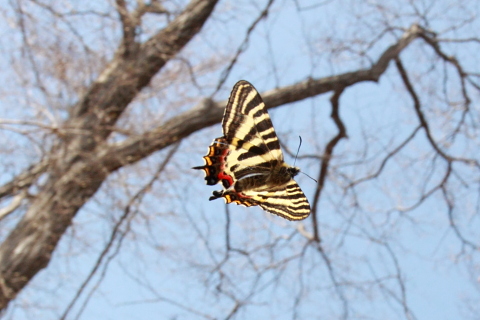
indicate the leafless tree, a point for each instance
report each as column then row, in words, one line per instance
column 104, row 106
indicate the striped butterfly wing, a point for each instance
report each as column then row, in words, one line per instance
column 287, row 201
column 254, row 146
column 255, row 155
column 248, row 160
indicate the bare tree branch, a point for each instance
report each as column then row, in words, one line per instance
column 243, row 46
column 327, row 156
column 117, row 235
column 333, row 278
column 423, row 121
column 385, row 160
column 25, row 179
column 128, row 26
column 14, row 204
column 453, row 224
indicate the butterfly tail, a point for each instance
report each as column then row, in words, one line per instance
column 215, row 163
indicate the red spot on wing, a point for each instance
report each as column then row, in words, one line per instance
column 223, row 176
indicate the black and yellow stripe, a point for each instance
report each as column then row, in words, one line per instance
column 254, row 159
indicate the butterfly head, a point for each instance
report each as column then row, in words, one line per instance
column 293, row 171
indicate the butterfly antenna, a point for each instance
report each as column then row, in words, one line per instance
column 299, row 145
column 309, row 176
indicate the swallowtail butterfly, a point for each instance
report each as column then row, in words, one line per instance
column 248, row 160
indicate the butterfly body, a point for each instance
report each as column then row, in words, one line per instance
column 278, row 176
column 248, row 161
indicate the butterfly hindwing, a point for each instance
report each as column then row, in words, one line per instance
column 248, row 160
column 288, row 202
column 215, row 164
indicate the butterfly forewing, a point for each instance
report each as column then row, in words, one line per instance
column 248, row 128
column 249, row 162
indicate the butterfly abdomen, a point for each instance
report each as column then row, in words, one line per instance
column 277, row 176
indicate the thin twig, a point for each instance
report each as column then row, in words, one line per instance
column 114, row 235
column 243, row 46
column 327, row 156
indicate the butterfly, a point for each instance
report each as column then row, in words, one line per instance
column 248, row 162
